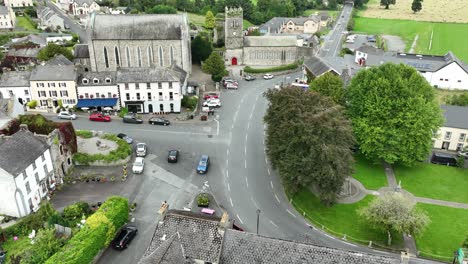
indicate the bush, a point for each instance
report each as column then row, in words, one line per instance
column 189, row 102
column 34, row 221
column 460, row 99
column 345, row 50
column 57, row 218
column 123, row 112
column 32, row 104
column 203, row 200
column 76, row 211
column 84, row 133
column 46, row 244
column 287, row 67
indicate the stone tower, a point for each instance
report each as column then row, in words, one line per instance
column 233, row 28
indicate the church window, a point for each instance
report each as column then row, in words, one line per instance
column 161, row 63
column 117, row 56
column 172, row 55
column 150, row 55
column 127, row 51
column 106, row 59
column 139, row 56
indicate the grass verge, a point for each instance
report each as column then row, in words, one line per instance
column 371, row 175
column 434, row 181
column 22, row 21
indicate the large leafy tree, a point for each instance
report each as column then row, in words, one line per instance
column 51, row 50
column 162, row 9
column 201, row 48
column 329, row 85
column 214, row 65
column 308, row 140
column 394, row 213
column 416, row 6
column 210, row 21
column 394, row 113
column 387, row 3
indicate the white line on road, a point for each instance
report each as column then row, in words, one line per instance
column 348, row 244
column 240, row 219
column 232, row 127
column 230, row 200
column 291, row 213
column 217, row 127
column 266, row 161
column 227, row 162
column 229, row 187
column 247, row 182
column 227, row 174
column 246, row 137
column 245, row 150
column 323, row 233
column 227, row 152
column 277, row 199
column 273, row 223
column 248, row 126
column 271, row 183
column 245, row 164
column 173, row 132
column 268, row 171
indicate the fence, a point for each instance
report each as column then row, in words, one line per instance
column 63, row 230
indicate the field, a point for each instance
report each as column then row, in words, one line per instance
column 432, row 10
column 199, row 20
column 332, row 13
column 446, row 36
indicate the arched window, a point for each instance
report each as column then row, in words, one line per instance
column 117, row 56
column 150, row 55
column 161, row 62
column 106, row 59
column 139, row 56
column 172, row 55
column 127, row 53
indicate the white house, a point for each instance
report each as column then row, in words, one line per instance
column 150, row 90
column 49, row 19
column 97, row 90
column 453, row 135
column 7, row 18
column 26, row 172
column 15, row 83
column 84, row 7
column 18, row 3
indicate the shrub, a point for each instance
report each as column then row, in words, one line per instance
column 57, row 218
column 32, row 104
column 203, row 200
column 123, row 112
column 189, row 102
column 76, row 211
column 46, row 244
column 33, row 221
column 460, row 99
column 84, row 133
column 287, row 67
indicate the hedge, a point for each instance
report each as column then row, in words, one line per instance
column 287, row 67
column 96, row 234
column 123, row 151
column 33, row 221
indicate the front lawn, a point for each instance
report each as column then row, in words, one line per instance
column 434, row 181
column 371, row 175
column 445, row 233
column 341, row 219
column 23, row 22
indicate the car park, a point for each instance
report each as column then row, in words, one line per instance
column 138, row 165
column 141, row 149
column 249, row 77
column 212, row 103
column 124, row 237
column 158, row 121
column 173, row 156
column 99, row 117
column 132, row 119
column 128, row 139
column 268, row 76
column 66, row 115
column 203, row 164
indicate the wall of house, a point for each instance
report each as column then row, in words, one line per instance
column 8, row 21
column 18, row 3
column 451, row 77
column 85, row 9
column 311, row 27
column 18, row 92
column 458, row 139
column 7, row 194
column 271, row 56
column 104, row 91
column 53, row 93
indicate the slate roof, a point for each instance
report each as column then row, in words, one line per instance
column 317, row 66
column 59, row 60
column 197, row 234
column 242, row 247
column 270, row 41
column 370, row 50
column 57, row 69
column 455, row 116
column 276, row 23
column 81, row 51
column 82, row 2
column 27, row 53
column 15, row 79
column 169, row 252
column 144, row 75
column 36, row 39
column 23, row 148
column 138, row 27
column 101, row 76
column 4, row 10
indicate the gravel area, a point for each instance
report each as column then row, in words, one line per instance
column 88, row 145
column 394, row 43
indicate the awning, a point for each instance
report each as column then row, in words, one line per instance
column 96, row 102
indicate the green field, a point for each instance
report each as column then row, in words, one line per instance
column 332, row 13
column 23, row 22
column 434, row 181
column 371, row 175
column 445, row 233
column 446, row 37
column 199, row 20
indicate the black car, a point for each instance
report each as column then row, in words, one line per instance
column 125, row 137
column 159, row 121
column 124, row 237
column 173, row 156
column 443, row 159
column 250, row 78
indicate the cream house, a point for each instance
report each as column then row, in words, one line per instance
column 84, row 7
column 453, row 135
column 7, row 18
column 296, row 25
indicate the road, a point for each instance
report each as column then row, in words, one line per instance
column 333, row 39
column 74, row 27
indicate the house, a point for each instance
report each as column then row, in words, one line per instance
column 97, row 90
column 7, row 18
column 18, row 3
column 188, row 237
column 316, row 67
column 15, row 84
column 83, row 7
column 32, row 38
column 22, row 56
column 276, row 25
column 54, row 81
column 25, row 182
column 150, row 90
column 325, row 19
column 49, row 19
column 453, row 134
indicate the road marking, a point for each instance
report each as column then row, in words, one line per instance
column 232, row 127
column 246, row 138
column 227, row 162
column 277, row 199
column 227, row 152
column 217, row 127
column 323, row 233
column 273, row 223
column 291, row 213
column 247, row 182
column 172, row 132
column 248, row 124
column 266, row 161
column 254, row 202
column 240, row 219
column 271, row 183
column 245, row 164
column 229, row 187
column 245, row 150
column 268, row 171
column 227, row 174
column 230, row 200
column 348, row 243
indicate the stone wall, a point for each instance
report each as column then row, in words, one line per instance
column 273, row 56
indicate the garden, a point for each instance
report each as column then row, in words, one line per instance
column 371, row 175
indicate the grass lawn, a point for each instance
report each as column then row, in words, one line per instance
column 23, row 22
column 445, row 233
column 332, row 13
column 199, row 20
column 341, row 218
column 446, row 37
column 435, row 181
column 371, row 175
column 15, row 247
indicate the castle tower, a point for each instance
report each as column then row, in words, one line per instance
column 233, row 28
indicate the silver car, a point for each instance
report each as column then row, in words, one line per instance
column 138, row 165
column 66, row 115
column 141, row 149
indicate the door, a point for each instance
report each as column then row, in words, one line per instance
column 234, row 61
column 445, row 145
column 150, row 108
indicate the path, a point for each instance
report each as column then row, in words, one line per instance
column 414, row 44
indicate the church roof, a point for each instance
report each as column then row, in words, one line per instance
column 81, row 51
column 270, row 41
column 138, row 27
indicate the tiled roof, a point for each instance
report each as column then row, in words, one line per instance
column 59, row 60
column 317, row 66
column 170, row 251
column 144, row 75
column 15, row 79
column 27, row 52
column 455, row 116
column 53, row 72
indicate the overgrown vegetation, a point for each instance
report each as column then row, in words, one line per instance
column 122, row 152
column 189, row 102
column 459, row 99
column 84, row 133
column 123, row 111
column 287, row 67
column 51, row 50
column 203, row 200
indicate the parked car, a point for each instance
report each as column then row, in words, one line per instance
column 138, row 165
column 212, row 103
column 249, row 77
column 232, row 86
column 371, row 39
column 229, row 80
column 351, row 41
column 132, row 119
column 203, row 164
column 463, row 153
column 443, row 159
column 124, row 237
column 268, row 76
column 66, row 115
column 99, row 117
column 125, row 137
column 141, row 149
column 210, row 96
column 159, row 121
column 173, row 156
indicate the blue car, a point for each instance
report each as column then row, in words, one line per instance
column 203, row 164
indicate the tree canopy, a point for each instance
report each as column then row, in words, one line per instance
column 394, row 113
column 387, row 3
column 214, row 65
column 162, row 9
column 210, row 21
column 416, row 6
column 308, row 141
column 51, row 50
column 394, row 213
column 201, row 48
column 329, row 85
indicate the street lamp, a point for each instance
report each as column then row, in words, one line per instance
column 258, row 218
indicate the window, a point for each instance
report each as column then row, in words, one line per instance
column 97, row 95
column 108, row 80
column 459, row 81
column 86, row 95
column 462, row 137
column 126, row 86
column 127, row 96
column 52, row 85
column 150, row 55
column 95, row 81
column 127, row 53
column 137, row 86
column 448, row 135
column 10, row 92
column 161, row 63
column 25, row 176
column 138, row 96
column 170, row 85
column 171, row 96
column 148, row 85
column 26, row 92
column 45, row 169
column 28, row 189
column 42, row 157
column 159, row 85
column 53, row 93
column 106, row 59
column 139, row 56
column 42, row 93
column 117, row 56
column 64, row 93
column 85, row 81
column 43, row 102
column 149, row 96
column 109, row 95
column 160, row 96
column 441, row 79
column 172, row 55
column 34, row 165
column 37, row 177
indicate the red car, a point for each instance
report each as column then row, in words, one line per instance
column 99, row 117
column 210, row 96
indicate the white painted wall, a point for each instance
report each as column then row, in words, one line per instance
column 18, row 92
column 454, row 140
column 8, row 21
column 7, row 194
column 57, row 86
column 18, row 3
column 451, row 77
column 87, row 91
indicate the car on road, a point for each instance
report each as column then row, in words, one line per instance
column 128, row 139
column 211, row 95
column 132, row 119
column 229, row 80
column 350, row 41
column 212, row 103
column 371, row 39
column 173, row 156
column 141, row 149
column 66, row 26
column 345, row 32
column 159, row 121
column 268, row 76
column 138, row 165
column 203, row 164
column 124, row 237
column 99, row 117
column 249, row 77
column 66, row 115
column 232, row 86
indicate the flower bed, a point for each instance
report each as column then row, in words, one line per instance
column 115, row 157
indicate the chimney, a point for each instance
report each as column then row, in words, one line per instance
column 223, row 223
column 163, row 209
column 24, row 127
